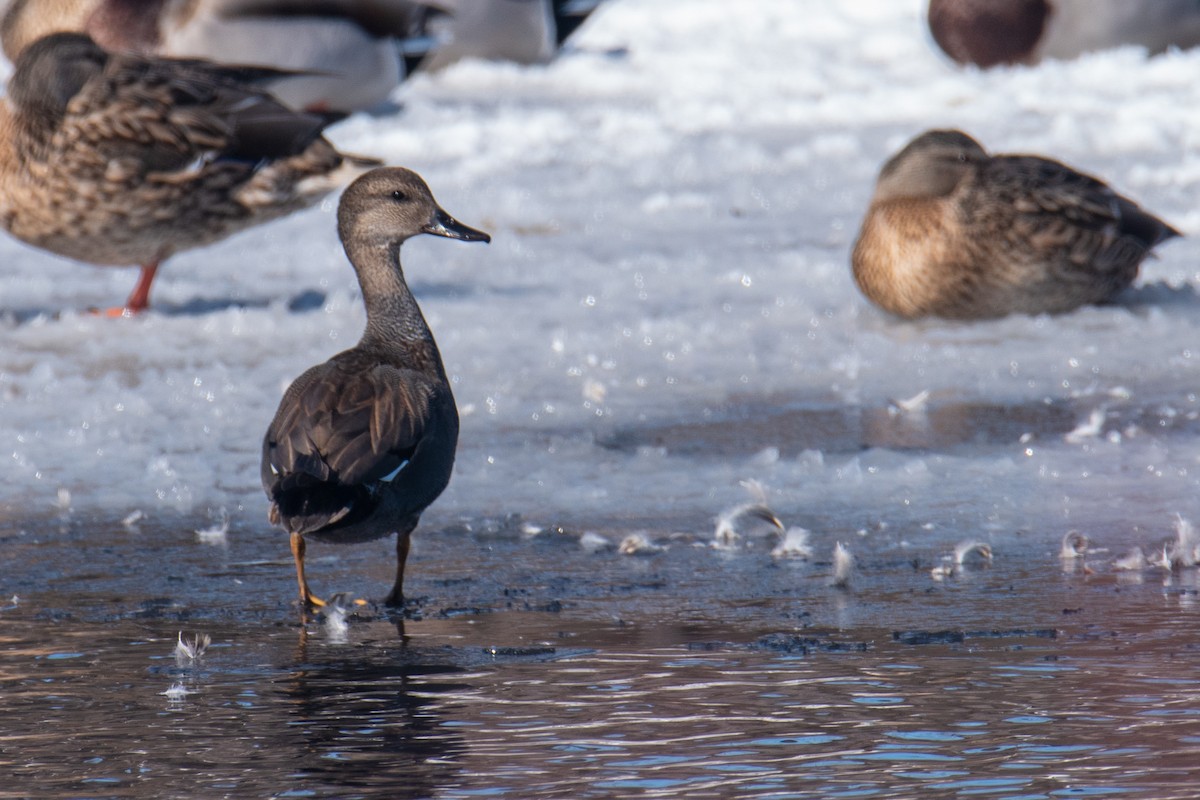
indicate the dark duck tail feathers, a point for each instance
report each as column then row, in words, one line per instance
column 1146, row 228
column 302, row 504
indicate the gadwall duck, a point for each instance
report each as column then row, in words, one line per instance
column 988, row 33
column 123, row 160
column 344, row 51
column 363, row 443
column 953, row 232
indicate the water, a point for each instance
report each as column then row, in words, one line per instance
column 527, row 667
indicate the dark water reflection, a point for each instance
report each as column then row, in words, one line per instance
column 529, row 669
column 114, row 716
column 358, row 726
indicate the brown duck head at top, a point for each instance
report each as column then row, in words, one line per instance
column 931, row 165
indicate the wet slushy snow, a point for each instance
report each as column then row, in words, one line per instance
column 666, row 309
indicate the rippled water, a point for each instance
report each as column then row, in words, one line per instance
column 528, row 667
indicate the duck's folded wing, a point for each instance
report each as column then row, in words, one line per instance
column 1042, row 186
column 171, row 115
column 239, row 96
column 352, row 429
column 1059, row 207
column 1039, row 186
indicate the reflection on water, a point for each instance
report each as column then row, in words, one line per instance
column 114, row 716
column 570, row 675
column 360, row 724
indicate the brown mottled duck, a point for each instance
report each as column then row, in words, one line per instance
column 121, row 160
column 954, row 232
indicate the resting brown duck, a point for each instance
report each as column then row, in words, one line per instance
column 363, row 443
column 954, row 232
column 124, row 160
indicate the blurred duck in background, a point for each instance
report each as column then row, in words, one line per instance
column 351, row 54
column 346, row 47
column 988, row 33
column 125, row 160
column 957, row 233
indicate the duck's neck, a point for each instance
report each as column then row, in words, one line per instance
column 393, row 316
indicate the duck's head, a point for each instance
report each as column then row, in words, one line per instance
column 51, row 71
column 989, row 32
column 929, row 166
column 388, row 205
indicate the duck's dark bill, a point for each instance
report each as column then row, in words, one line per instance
column 445, row 225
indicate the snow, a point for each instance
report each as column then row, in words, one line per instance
column 672, row 203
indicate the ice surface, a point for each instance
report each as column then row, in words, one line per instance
column 672, row 204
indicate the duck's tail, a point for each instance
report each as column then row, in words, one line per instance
column 1144, row 226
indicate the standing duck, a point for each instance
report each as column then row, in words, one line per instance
column 988, row 33
column 120, row 160
column 954, row 232
column 363, row 443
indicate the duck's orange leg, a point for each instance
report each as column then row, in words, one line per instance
column 307, row 598
column 139, row 298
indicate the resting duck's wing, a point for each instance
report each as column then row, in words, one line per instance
column 1055, row 207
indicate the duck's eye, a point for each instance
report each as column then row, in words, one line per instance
column 399, row 196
